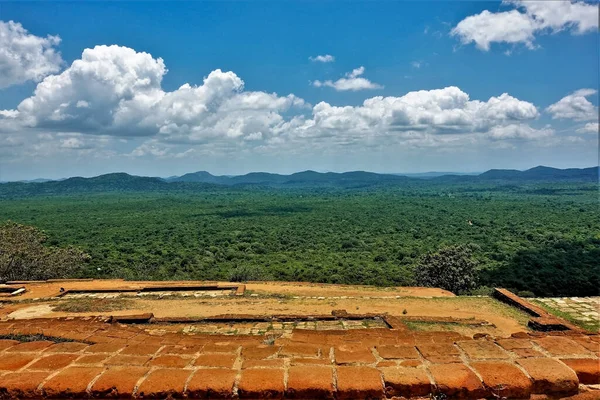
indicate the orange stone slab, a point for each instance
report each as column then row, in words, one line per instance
column 54, row 361
column 67, row 347
column 169, row 361
column 550, row 376
column 299, row 350
column 212, row 383
column 397, row 351
column 12, row 362
column 259, row 352
column 19, row 385
column 118, row 381
column 440, row 353
column 457, row 381
column 587, row 369
column 30, row 347
column 162, row 383
column 561, row 346
column 141, row 349
column 359, row 382
column 6, row 343
column 406, row 381
column 310, row 382
column 359, row 356
column 503, row 379
column 216, row 360
column 261, row 383
column 71, row 382
column 483, row 350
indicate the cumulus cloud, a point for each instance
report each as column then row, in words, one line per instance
column 326, row 58
column 523, row 23
column 24, row 56
column 519, row 131
column 117, row 91
column 114, row 93
column 590, row 127
column 352, row 81
column 433, row 112
column 575, row 106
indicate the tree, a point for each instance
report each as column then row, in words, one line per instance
column 23, row 255
column 450, row 268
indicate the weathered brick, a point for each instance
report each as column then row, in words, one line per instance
column 311, row 361
column 19, row 385
column 215, row 360
column 483, row 350
column 550, row 376
column 359, row 382
column 261, row 383
column 587, row 369
column 54, row 361
column 353, row 356
column 503, row 379
column 118, row 381
column 162, row 383
column 310, row 382
column 259, row 352
column 398, row 351
column 12, row 362
column 227, row 347
column 141, row 349
column 457, row 381
column 30, row 346
column 71, row 382
column 175, row 349
column 440, row 353
column 212, row 383
column 406, row 381
column 92, row 358
column 127, row 360
column 561, row 346
column 272, row 363
column 66, row 347
column 299, row 350
column 169, row 361
column 511, row 344
column 527, row 353
column 6, row 343
column 104, row 348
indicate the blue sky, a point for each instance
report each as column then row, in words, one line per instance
column 403, row 47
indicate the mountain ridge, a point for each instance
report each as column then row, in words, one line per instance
column 123, row 182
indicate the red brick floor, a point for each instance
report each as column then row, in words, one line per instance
column 114, row 360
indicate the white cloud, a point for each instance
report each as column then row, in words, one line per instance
column 116, row 91
column 434, row 112
column 575, row 106
column 326, row 58
column 24, row 56
column 352, row 81
column 417, row 64
column 519, row 131
column 530, row 18
column 590, row 127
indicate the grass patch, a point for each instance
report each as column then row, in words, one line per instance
column 35, row 338
column 593, row 326
column 93, row 305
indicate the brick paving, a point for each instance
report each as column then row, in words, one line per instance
column 582, row 309
column 121, row 360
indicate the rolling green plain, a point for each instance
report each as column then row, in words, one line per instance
column 537, row 237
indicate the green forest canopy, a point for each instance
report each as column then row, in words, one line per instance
column 544, row 238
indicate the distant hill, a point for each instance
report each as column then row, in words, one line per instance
column 202, row 180
column 305, row 178
column 542, row 173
